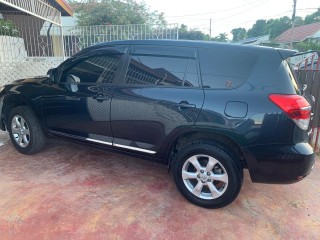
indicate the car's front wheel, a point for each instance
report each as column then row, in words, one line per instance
column 25, row 131
column 207, row 175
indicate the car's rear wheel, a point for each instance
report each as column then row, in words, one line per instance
column 207, row 175
column 25, row 131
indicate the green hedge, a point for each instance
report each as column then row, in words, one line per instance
column 303, row 46
column 7, row 28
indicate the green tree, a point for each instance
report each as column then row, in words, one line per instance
column 277, row 26
column 7, row 28
column 258, row 29
column 192, row 34
column 312, row 18
column 298, row 21
column 238, row 34
column 115, row 12
column 222, row 37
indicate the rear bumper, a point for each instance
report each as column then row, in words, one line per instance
column 279, row 163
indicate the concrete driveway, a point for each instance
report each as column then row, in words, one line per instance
column 71, row 191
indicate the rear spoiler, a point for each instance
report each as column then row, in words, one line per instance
column 286, row 53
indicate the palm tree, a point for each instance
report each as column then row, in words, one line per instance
column 222, row 37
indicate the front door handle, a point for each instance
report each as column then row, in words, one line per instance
column 100, row 97
column 185, row 104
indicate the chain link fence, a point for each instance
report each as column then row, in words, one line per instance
column 30, row 46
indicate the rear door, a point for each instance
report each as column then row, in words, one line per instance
column 160, row 95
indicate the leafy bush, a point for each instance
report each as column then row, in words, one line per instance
column 7, row 28
column 304, row 46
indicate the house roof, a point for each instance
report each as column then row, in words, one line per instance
column 63, row 6
column 254, row 40
column 299, row 33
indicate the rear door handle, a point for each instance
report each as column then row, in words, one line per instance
column 100, row 97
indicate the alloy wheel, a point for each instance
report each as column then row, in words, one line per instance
column 20, row 131
column 205, row 177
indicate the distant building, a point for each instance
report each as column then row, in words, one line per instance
column 261, row 40
column 309, row 32
column 28, row 17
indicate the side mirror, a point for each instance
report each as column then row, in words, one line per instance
column 51, row 75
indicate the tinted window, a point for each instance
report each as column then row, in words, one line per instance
column 160, row 70
column 93, row 70
column 225, row 68
column 163, row 51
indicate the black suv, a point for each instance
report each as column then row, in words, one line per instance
column 206, row 110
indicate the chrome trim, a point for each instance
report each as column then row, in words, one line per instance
column 1, row 106
column 306, row 108
column 98, row 141
column 134, row 148
column 2, row 125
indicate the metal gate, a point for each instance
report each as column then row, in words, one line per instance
column 32, row 46
column 308, row 73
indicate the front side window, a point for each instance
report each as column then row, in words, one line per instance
column 93, row 70
column 162, row 71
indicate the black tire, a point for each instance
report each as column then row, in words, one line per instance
column 226, row 164
column 36, row 138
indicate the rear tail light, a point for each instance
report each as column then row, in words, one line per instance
column 295, row 106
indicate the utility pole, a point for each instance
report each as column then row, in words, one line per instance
column 293, row 22
column 210, row 27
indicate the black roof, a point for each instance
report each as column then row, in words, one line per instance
column 285, row 53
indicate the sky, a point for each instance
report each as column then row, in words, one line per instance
column 226, row 15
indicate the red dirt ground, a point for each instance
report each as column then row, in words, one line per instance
column 70, row 191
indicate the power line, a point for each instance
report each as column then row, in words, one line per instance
column 206, row 13
column 236, row 14
column 262, row 17
column 266, row 16
column 252, row 19
column 307, row 8
column 215, row 22
column 205, row 24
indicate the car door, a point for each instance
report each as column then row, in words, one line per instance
column 78, row 105
column 160, row 95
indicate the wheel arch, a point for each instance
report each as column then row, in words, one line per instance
column 14, row 100
column 206, row 136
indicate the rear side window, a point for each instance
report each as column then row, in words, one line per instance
column 225, row 69
column 162, row 71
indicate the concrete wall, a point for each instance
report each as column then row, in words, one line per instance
column 12, row 49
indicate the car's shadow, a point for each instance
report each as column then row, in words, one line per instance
column 66, row 163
